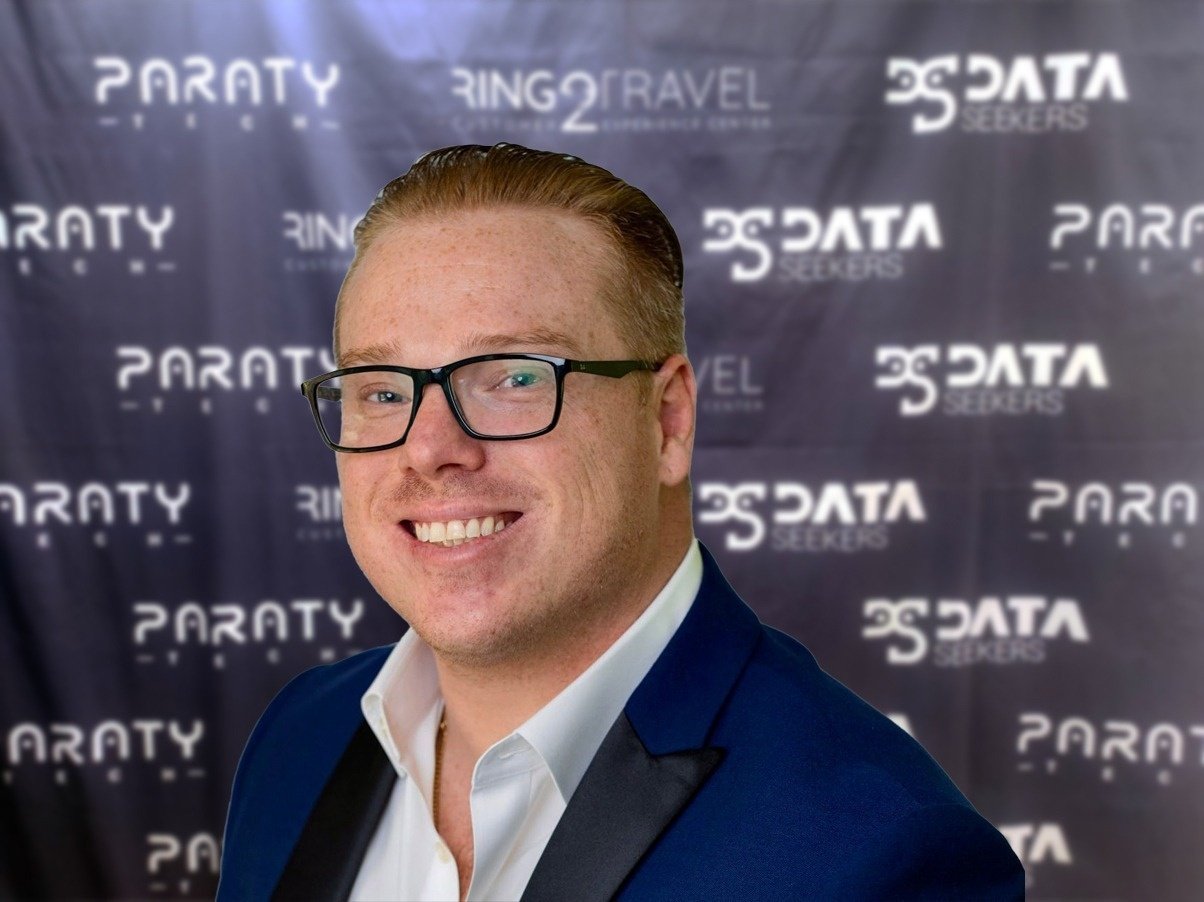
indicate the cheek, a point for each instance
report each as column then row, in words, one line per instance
column 357, row 476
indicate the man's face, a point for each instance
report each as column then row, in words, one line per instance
column 580, row 504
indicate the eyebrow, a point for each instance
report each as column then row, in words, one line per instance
column 473, row 343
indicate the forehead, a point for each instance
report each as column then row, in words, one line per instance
column 437, row 288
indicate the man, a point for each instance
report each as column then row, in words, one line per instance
column 583, row 708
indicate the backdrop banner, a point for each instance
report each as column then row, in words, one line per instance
column 944, row 264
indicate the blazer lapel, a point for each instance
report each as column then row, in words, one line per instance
column 656, row 756
column 623, row 803
column 328, row 854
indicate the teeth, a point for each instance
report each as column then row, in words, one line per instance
column 457, row 532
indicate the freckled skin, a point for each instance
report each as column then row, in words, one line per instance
column 593, row 545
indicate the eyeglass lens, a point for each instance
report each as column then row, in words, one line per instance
column 497, row 398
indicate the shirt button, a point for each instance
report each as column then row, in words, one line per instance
column 444, row 853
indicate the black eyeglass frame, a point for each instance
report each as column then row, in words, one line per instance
column 441, row 375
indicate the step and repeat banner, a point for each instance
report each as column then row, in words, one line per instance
column 944, row 264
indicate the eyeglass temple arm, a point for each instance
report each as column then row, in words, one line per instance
column 612, row 368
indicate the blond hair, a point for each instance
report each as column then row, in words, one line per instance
column 645, row 294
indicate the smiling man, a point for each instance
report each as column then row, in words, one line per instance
column 582, row 707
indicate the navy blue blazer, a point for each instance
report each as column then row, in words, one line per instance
column 737, row 770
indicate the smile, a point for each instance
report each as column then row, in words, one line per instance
column 457, row 532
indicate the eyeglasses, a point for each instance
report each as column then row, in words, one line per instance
column 499, row 397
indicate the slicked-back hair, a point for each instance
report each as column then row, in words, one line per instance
column 644, row 292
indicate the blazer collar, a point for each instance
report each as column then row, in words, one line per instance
column 327, row 856
column 651, row 763
column 655, row 757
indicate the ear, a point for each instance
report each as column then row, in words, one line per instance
column 676, row 400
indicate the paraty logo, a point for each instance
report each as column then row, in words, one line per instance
column 1141, row 238
column 98, row 507
column 1027, row 93
column 717, row 98
column 80, row 240
column 151, row 380
column 979, row 380
column 175, row 862
column 795, row 517
column 162, row 633
column 806, row 244
column 1112, row 748
column 130, row 92
column 954, row 632
column 318, row 241
column 113, row 746
column 1062, row 511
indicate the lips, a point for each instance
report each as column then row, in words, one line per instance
column 449, row 533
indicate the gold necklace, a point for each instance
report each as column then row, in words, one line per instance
column 438, row 763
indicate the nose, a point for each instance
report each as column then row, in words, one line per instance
column 436, row 441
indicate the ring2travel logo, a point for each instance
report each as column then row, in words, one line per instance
column 834, row 516
column 719, row 98
column 1015, row 629
column 318, row 241
column 802, row 244
column 1030, row 94
column 194, row 90
column 977, row 380
column 728, row 384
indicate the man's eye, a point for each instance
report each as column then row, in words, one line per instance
column 520, row 380
column 383, row 396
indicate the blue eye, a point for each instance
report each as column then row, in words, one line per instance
column 521, row 380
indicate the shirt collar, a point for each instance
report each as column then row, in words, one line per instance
column 567, row 731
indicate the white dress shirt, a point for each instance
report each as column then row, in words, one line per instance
column 522, row 783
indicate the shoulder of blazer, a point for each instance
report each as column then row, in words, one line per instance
column 286, row 762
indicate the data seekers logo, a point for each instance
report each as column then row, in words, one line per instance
column 155, row 380
column 319, row 510
column 843, row 517
column 103, row 510
column 717, row 98
column 728, row 384
column 199, row 90
column 1030, row 94
column 164, row 633
column 807, row 244
column 1042, row 843
column 976, row 380
column 1126, row 512
column 81, row 240
column 318, row 241
column 175, row 864
column 954, row 632
column 1127, row 238
column 165, row 747
column 1113, row 748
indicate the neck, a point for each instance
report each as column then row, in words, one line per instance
column 485, row 704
